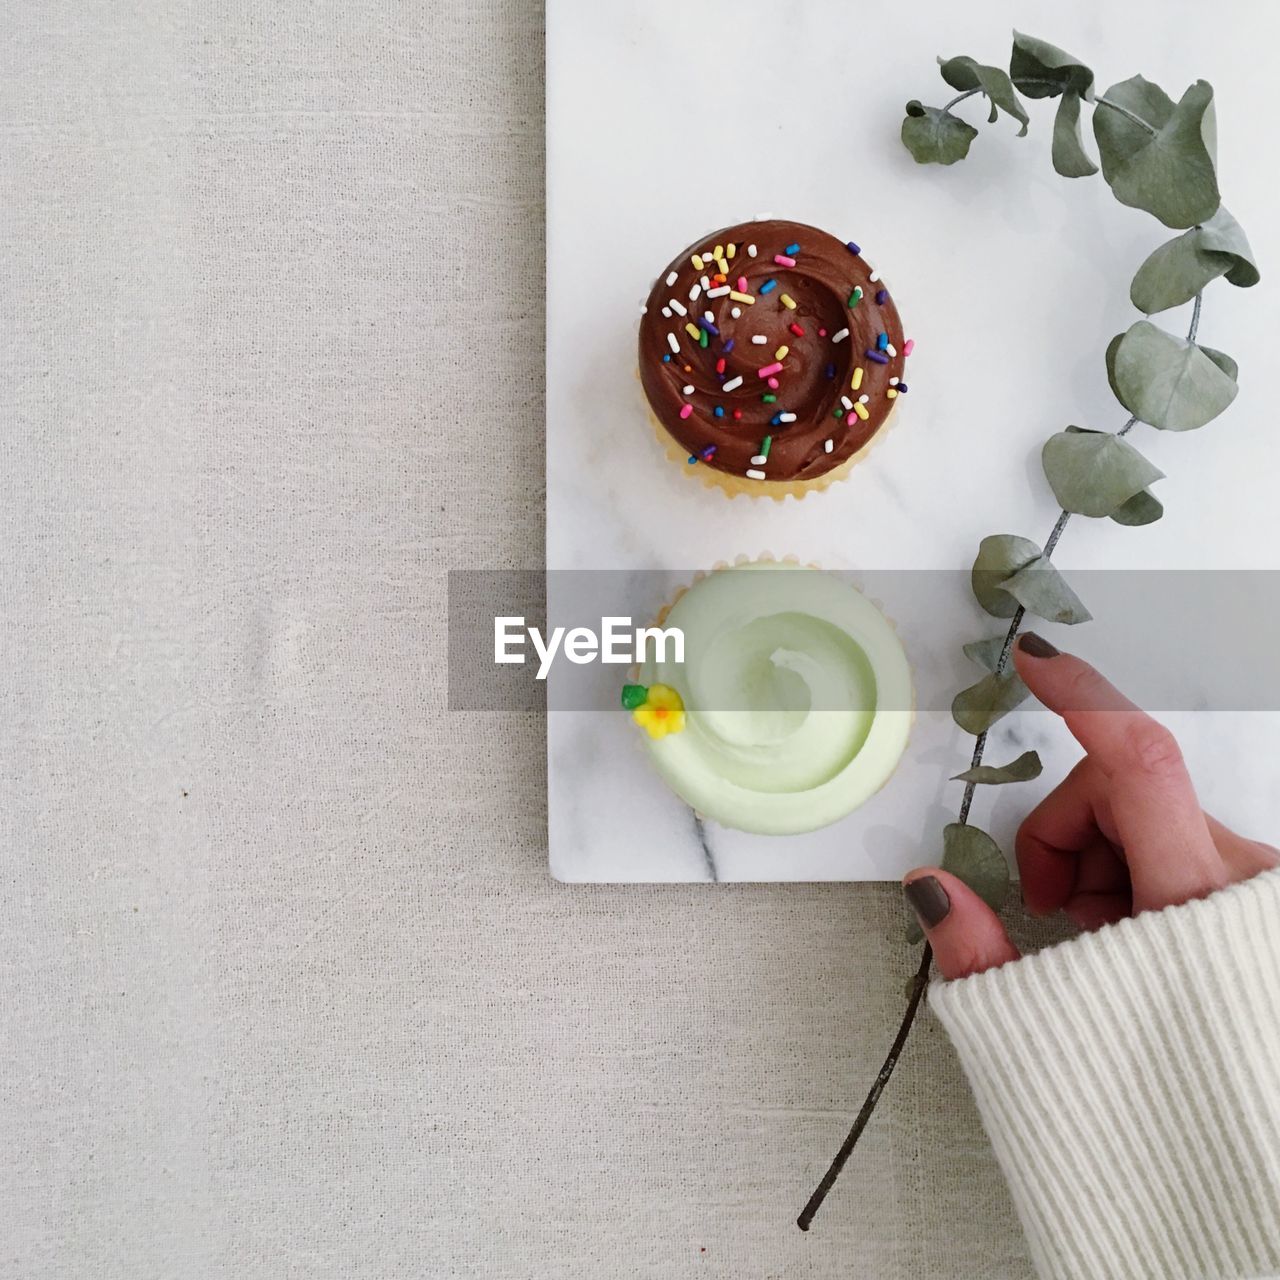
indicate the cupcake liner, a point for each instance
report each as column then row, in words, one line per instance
column 734, row 485
column 768, row 557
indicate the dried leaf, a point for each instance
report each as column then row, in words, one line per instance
column 1180, row 269
column 1042, row 70
column 971, row 855
column 1167, row 381
column 1023, row 769
column 986, row 653
column 934, row 136
column 978, row 707
column 999, row 556
column 964, row 73
column 1093, row 473
column 1169, row 172
column 1070, row 158
column 1142, row 508
column 1041, row 589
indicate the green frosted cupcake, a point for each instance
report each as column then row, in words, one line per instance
column 792, row 706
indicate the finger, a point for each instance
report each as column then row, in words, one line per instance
column 1102, row 892
column 1158, row 819
column 1244, row 858
column 1053, row 836
column 1089, row 911
column 965, row 933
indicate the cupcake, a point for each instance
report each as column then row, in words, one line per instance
column 791, row 707
column 771, row 354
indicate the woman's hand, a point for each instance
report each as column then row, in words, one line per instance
column 1123, row 833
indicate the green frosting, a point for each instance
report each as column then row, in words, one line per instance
column 797, row 699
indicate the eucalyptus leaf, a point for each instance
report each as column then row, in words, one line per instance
column 1094, row 474
column 1041, row 589
column 1142, row 508
column 1070, row 159
column 965, row 73
column 978, row 707
column 934, row 136
column 1042, row 70
column 1223, row 234
column 1180, row 269
column 1113, row 348
column 971, row 855
column 1224, row 362
column 1167, row 169
column 1023, row 769
column 1167, row 381
column 999, row 556
column 986, row 653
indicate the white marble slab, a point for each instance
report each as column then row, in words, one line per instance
column 665, row 121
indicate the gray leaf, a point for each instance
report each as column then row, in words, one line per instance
column 986, row 653
column 1040, row 589
column 999, row 556
column 934, row 136
column 1224, row 362
column 1042, row 70
column 1223, row 234
column 1070, row 158
column 1180, row 269
column 964, row 73
column 1093, row 473
column 1167, row 381
column 1023, row 769
column 1142, row 508
column 978, row 707
column 1170, row 173
column 971, row 855
column 1113, row 348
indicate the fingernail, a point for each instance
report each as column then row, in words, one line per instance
column 928, row 899
column 1037, row 646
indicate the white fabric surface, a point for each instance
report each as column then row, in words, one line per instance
column 287, row 988
column 1130, row 1080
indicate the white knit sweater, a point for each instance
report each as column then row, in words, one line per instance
column 1130, row 1081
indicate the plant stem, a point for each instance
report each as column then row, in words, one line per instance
column 960, row 97
column 1103, row 101
column 846, row 1147
column 966, row 802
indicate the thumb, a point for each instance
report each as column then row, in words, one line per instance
column 966, row 935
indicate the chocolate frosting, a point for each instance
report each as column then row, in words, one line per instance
column 818, row 367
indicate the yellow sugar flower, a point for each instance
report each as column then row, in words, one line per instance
column 661, row 713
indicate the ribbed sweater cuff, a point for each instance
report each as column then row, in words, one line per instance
column 1130, row 1082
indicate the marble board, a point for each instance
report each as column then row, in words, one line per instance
column 666, row 121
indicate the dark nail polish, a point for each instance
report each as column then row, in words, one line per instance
column 928, row 899
column 1037, row 646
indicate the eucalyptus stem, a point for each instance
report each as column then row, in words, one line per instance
column 921, row 979
column 960, row 97
column 873, row 1097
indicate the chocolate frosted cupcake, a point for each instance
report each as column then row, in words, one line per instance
column 771, row 354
